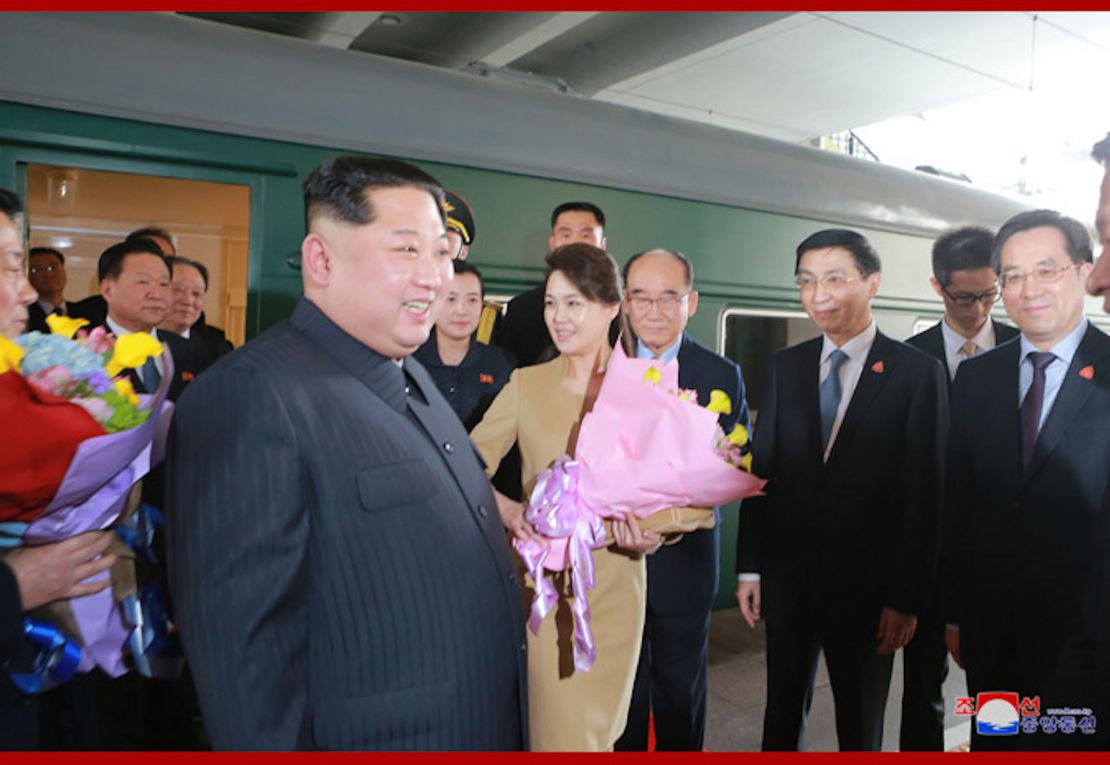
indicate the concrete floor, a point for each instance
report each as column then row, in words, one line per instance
column 737, row 689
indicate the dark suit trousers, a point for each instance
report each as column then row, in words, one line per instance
column 925, row 667
column 671, row 675
column 860, row 680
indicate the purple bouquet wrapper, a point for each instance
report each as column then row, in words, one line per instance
column 91, row 496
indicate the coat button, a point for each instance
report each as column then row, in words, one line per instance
column 512, row 578
column 447, row 447
column 482, row 511
column 524, row 648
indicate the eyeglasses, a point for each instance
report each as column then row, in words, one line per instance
column 45, row 269
column 967, row 299
column 1012, row 280
column 830, row 281
column 666, row 302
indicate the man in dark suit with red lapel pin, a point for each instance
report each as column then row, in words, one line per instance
column 839, row 555
column 1029, row 459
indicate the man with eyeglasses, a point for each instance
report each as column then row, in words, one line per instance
column 47, row 274
column 1028, row 463
column 839, row 555
column 964, row 280
column 682, row 576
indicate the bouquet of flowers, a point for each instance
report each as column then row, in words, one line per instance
column 646, row 446
column 83, row 438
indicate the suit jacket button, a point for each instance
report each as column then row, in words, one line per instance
column 482, row 511
column 447, row 447
column 524, row 648
column 512, row 578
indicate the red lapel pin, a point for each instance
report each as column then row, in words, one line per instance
column 1087, row 372
column 877, row 367
column 187, row 376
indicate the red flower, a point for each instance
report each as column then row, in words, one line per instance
column 1087, row 372
column 877, row 367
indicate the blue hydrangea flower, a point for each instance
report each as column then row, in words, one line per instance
column 43, row 351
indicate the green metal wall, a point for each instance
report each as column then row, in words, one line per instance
column 742, row 257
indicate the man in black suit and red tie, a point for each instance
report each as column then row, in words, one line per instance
column 964, row 280
column 1029, row 459
column 839, row 555
column 683, row 574
column 339, row 567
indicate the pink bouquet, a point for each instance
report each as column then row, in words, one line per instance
column 645, row 447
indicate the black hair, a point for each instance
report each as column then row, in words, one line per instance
column 338, row 188
column 962, row 249
column 589, row 207
column 10, row 204
column 110, row 265
column 1101, row 151
column 590, row 269
column 864, row 255
column 687, row 266
column 1077, row 241
column 177, row 260
column 462, row 267
column 151, row 231
column 46, row 251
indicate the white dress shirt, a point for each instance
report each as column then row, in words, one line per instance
column 954, row 344
column 850, row 371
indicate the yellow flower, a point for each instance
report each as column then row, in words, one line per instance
column 746, row 462
column 127, row 390
column 64, row 325
column 11, row 355
column 132, row 351
column 653, row 376
column 739, row 435
column 719, row 402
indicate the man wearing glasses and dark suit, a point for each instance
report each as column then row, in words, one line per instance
column 964, row 280
column 1028, row 463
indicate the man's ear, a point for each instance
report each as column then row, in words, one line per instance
column 316, row 261
column 936, row 287
column 692, row 303
column 873, row 281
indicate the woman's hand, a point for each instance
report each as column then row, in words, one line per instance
column 512, row 518
column 629, row 536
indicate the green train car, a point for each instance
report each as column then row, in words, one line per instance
column 164, row 96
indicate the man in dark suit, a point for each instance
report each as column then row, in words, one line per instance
column 1029, row 459
column 524, row 332
column 682, row 575
column 337, row 560
column 964, row 280
column 839, row 555
column 47, row 272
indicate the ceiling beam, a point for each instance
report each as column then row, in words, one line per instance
column 339, row 30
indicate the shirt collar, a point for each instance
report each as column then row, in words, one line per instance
column 954, row 341
column 48, row 307
column 857, row 348
column 667, row 356
column 1063, row 350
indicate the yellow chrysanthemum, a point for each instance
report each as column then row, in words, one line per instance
column 131, row 352
column 64, row 325
column 11, row 355
column 719, row 402
column 127, row 390
column 739, row 435
column 653, row 376
column 746, row 462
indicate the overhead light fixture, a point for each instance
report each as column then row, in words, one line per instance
column 390, row 20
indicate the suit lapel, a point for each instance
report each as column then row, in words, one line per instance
column 1073, row 395
column 804, row 388
column 935, row 337
column 876, row 370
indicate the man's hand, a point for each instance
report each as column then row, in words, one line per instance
column 952, row 642
column 46, row 573
column 747, row 593
column 629, row 536
column 895, row 630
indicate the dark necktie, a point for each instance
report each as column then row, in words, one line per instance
column 829, row 395
column 150, row 375
column 1030, row 411
column 59, row 310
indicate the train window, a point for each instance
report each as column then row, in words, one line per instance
column 750, row 336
